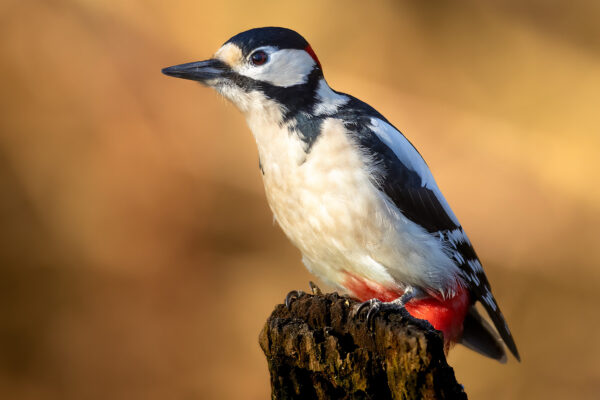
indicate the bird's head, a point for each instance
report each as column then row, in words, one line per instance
column 258, row 67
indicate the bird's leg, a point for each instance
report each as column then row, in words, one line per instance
column 375, row 306
column 410, row 293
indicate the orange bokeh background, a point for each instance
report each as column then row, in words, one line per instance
column 138, row 256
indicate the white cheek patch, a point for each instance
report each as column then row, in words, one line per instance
column 287, row 67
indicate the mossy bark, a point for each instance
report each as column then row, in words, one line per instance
column 317, row 349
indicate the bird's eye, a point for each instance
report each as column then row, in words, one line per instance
column 259, row 57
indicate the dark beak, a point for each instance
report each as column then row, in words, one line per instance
column 200, row 71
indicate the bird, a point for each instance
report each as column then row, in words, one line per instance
column 351, row 192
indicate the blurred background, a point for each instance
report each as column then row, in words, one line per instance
column 138, row 257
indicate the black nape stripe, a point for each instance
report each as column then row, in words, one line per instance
column 297, row 101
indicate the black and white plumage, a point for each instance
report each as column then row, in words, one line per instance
column 349, row 190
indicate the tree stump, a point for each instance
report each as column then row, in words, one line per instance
column 318, row 349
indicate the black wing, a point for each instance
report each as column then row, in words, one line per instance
column 422, row 206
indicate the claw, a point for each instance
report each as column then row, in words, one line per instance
column 360, row 307
column 373, row 306
column 291, row 296
column 376, row 306
column 373, row 311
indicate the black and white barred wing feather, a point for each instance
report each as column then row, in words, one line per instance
column 408, row 182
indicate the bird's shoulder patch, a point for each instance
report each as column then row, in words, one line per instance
column 403, row 174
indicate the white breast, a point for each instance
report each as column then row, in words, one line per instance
column 327, row 205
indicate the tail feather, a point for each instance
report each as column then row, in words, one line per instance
column 478, row 335
column 500, row 323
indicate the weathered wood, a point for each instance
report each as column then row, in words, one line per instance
column 317, row 349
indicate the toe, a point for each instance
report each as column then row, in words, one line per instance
column 364, row 305
column 373, row 311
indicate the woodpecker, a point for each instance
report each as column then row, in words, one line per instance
column 351, row 192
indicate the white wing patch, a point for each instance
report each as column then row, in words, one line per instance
column 410, row 157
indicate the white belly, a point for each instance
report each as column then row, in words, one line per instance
column 327, row 205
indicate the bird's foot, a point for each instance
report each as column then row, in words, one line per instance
column 375, row 307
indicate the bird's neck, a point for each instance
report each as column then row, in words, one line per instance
column 279, row 148
column 286, row 126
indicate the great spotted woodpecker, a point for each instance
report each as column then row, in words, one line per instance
column 351, row 192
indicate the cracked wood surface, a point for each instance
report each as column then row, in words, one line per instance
column 317, row 349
